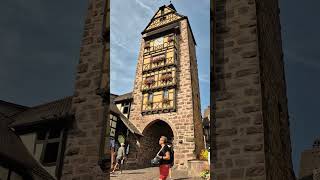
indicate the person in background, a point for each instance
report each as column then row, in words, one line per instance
column 113, row 153
column 120, row 157
column 164, row 157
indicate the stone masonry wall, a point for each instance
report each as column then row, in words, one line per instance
column 83, row 139
column 274, row 96
column 198, row 133
column 246, row 127
column 238, row 119
column 180, row 121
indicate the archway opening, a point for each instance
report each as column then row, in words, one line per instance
column 150, row 142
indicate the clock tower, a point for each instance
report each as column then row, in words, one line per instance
column 166, row 98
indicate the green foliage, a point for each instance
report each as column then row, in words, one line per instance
column 204, row 154
column 205, row 174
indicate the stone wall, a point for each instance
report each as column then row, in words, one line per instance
column 198, row 133
column 181, row 121
column 84, row 137
column 246, row 65
column 274, row 97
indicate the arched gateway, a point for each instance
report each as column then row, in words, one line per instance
column 150, row 140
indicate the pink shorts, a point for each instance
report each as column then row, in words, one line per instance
column 164, row 171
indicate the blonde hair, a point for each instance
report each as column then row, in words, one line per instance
column 165, row 139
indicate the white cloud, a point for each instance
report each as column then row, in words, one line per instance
column 145, row 6
column 204, row 78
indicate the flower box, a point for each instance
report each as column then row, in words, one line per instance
column 149, row 81
column 166, row 77
column 170, row 38
column 158, row 59
column 165, row 101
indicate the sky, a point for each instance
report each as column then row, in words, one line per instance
column 40, row 44
column 129, row 18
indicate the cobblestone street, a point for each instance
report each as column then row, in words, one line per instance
column 148, row 174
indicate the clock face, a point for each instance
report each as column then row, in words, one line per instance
column 158, row 41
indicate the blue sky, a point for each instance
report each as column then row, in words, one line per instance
column 128, row 20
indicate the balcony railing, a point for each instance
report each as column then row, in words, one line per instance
column 152, row 66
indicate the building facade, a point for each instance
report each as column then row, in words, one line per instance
column 310, row 162
column 166, row 99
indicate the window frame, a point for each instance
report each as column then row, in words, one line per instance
column 126, row 105
column 47, row 141
column 164, row 95
column 111, row 116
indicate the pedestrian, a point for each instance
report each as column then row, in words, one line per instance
column 164, row 156
column 113, row 152
column 120, row 158
column 171, row 164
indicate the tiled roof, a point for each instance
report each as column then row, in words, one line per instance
column 62, row 108
column 128, row 124
column 45, row 112
column 11, row 109
column 123, row 97
column 14, row 153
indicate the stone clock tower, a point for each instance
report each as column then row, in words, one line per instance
column 166, row 99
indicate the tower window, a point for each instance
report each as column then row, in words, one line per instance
column 51, row 152
column 125, row 106
column 158, row 41
column 150, row 98
column 166, row 94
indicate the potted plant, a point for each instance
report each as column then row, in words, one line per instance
column 166, row 77
column 157, row 59
column 149, row 81
column 205, row 174
column 165, row 100
column 170, row 38
column 204, row 155
column 149, row 103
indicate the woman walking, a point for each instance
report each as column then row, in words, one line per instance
column 164, row 156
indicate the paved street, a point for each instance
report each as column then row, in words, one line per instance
column 148, row 174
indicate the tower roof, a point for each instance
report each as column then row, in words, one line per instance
column 162, row 19
column 172, row 7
